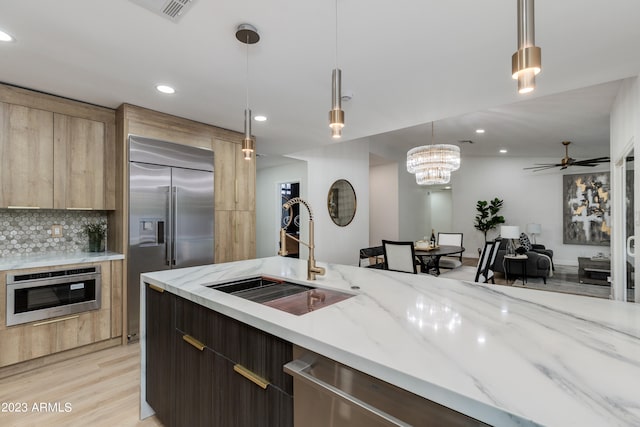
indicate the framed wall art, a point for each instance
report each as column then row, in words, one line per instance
column 586, row 209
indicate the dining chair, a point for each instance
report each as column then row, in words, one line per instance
column 399, row 256
column 492, row 260
column 485, row 262
column 450, row 239
column 482, row 272
column 375, row 253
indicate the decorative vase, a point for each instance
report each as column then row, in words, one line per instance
column 96, row 242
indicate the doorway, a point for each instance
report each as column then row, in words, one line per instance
column 289, row 190
column 629, row 227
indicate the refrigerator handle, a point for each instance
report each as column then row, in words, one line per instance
column 168, row 232
column 174, row 223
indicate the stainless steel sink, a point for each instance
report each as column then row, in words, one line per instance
column 260, row 289
column 291, row 297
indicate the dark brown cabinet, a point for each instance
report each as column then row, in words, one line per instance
column 217, row 368
column 160, row 352
column 197, row 395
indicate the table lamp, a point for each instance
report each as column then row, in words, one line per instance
column 510, row 232
column 534, row 229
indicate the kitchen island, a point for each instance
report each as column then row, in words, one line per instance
column 502, row 355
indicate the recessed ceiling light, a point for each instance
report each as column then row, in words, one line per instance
column 4, row 37
column 479, row 130
column 260, row 118
column 447, row 188
column 503, row 150
column 165, row 89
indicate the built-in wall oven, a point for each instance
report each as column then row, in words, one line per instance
column 48, row 294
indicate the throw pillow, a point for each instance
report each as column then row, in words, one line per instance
column 525, row 242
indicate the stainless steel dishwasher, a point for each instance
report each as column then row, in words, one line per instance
column 327, row 393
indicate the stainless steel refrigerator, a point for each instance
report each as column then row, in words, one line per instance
column 170, row 213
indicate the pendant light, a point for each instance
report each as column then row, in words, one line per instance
column 433, row 164
column 526, row 62
column 336, row 115
column 247, row 34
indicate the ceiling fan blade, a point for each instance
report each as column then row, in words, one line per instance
column 567, row 161
column 594, row 161
column 541, row 167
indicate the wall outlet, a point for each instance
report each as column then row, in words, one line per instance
column 56, row 230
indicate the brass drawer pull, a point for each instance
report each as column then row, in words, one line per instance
column 23, row 207
column 48, row 322
column 251, row 376
column 156, row 288
column 194, row 342
column 79, row 209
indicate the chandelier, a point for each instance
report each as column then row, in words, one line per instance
column 433, row 164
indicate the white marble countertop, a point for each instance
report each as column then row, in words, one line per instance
column 506, row 356
column 53, row 259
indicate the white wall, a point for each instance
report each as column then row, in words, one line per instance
column 413, row 205
column 383, row 203
column 625, row 128
column 441, row 211
column 528, row 197
column 326, row 164
column 268, row 203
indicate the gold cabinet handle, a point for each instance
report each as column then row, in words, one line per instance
column 194, row 342
column 79, row 209
column 23, row 207
column 155, row 288
column 48, row 322
column 251, row 376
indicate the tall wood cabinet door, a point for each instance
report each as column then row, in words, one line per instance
column 116, row 298
column 244, row 235
column 223, row 236
column 160, row 311
column 224, row 175
column 80, row 167
column 245, row 181
column 26, row 157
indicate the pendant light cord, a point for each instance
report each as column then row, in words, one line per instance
column 432, row 133
column 336, row 34
column 247, row 72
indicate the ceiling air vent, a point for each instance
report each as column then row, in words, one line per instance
column 170, row 9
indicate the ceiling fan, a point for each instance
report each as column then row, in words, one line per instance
column 567, row 161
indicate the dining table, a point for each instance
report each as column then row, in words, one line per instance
column 430, row 258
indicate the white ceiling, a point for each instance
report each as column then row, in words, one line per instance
column 407, row 63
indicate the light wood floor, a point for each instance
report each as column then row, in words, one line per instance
column 101, row 388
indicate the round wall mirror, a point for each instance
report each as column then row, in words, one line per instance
column 341, row 202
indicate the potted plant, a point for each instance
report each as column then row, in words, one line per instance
column 96, row 232
column 487, row 217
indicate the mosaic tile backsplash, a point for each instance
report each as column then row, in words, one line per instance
column 26, row 231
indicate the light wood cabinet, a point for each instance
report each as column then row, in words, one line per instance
column 245, row 181
column 244, row 240
column 79, row 156
column 235, row 189
column 26, row 157
column 235, row 184
column 41, row 338
column 55, row 153
column 235, row 235
column 225, row 175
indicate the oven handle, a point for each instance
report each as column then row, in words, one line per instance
column 60, row 280
column 299, row 370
